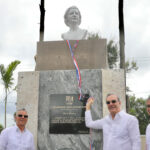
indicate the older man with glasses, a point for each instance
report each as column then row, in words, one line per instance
column 148, row 127
column 17, row 137
column 120, row 130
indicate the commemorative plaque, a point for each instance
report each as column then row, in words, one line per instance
column 67, row 114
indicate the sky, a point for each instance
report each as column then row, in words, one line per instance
column 19, row 34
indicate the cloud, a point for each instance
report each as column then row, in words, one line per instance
column 139, row 86
column 11, row 108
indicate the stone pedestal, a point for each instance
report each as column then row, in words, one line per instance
column 35, row 88
column 55, row 55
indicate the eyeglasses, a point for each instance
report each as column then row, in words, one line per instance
column 113, row 101
column 148, row 106
column 20, row 116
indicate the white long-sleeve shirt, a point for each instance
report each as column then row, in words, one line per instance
column 120, row 133
column 13, row 139
column 148, row 137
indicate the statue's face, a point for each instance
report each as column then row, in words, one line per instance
column 73, row 16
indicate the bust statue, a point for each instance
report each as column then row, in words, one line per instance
column 72, row 19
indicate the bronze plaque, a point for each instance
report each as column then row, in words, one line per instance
column 67, row 114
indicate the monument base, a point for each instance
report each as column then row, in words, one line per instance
column 37, row 92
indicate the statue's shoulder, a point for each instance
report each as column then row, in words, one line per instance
column 85, row 33
column 62, row 35
column 80, row 34
column 65, row 35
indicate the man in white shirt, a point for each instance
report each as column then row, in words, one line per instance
column 148, row 127
column 17, row 137
column 120, row 130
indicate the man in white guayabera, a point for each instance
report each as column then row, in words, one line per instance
column 17, row 137
column 72, row 19
column 120, row 130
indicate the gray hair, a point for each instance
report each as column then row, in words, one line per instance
column 21, row 109
column 66, row 15
column 109, row 94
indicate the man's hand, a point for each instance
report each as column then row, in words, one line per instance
column 89, row 103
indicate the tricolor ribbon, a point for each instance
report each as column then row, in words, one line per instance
column 91, row 139
column 78, row 74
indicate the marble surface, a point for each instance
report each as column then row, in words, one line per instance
column 65, row 82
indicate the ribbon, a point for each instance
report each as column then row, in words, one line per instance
column 78, row 74
column 91, row 139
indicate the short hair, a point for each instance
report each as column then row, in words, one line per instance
column 109, row 94
column 21, row 109
column 66, row 15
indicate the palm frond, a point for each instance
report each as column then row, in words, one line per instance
column 2, row 70
column 8, row 73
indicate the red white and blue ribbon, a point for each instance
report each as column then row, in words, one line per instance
column 91, row 141
column 78, row 74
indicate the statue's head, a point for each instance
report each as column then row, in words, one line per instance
column 72, row 16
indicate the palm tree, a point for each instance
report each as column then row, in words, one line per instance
column 7, row 78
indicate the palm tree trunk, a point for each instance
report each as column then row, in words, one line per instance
column 122, row 45
column 42, row 17
column 121, row 35
column 5, row 107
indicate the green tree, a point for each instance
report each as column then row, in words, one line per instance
column 138, row 109
column 113, row 54
column 112, row 50
column 7, row 78
column 95, row 36
column 1, row 128
column 130, row 66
